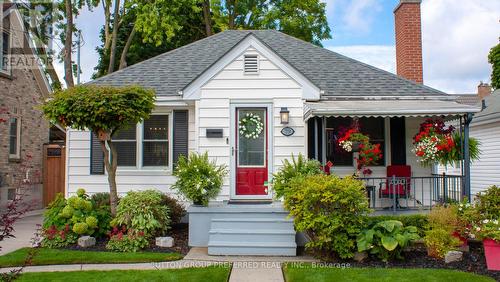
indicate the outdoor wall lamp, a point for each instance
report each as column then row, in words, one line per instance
column 284, row 115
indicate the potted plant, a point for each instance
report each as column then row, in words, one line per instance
column 352, row 140
column 355, row 141
column 198, row 178
column 487, row 225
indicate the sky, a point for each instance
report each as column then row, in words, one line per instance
column 456, row 37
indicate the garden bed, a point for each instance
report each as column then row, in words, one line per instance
column 473, row 261
column 179, row 232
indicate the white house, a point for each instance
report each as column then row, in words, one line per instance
column 205, row 88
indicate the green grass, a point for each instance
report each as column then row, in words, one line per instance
column 57, row 256
column 212, row 274
column 306, row 272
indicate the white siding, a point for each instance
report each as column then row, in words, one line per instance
column 78, row 167
column 486, row 171
column 231, row 85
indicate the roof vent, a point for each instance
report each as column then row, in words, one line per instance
column 251, row 64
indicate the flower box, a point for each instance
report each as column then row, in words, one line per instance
column 492, row 253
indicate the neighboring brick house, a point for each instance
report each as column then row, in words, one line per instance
column 23, row 129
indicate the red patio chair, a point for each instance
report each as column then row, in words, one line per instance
column 398, row 183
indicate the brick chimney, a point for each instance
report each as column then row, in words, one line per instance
column 409, row 40
column 483, row 90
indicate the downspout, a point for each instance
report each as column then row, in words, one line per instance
column 467, row 188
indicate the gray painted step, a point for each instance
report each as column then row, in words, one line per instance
column 252, row 223
column 258, row 249
column 239, row 235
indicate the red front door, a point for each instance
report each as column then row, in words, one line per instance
column 251, row 148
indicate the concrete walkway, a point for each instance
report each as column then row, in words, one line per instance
column 24, row 229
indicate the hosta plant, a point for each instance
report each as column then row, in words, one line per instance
column 386, row 239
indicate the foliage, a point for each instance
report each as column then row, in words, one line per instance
column 369, row 154
column 304, row 19
column 47, row 256
column 65, row 220
column 494, row 60
column 198, row 178
column 177, row 210
column 439, row 241
column 122, row 241
column 488, row 203
column 386, row 239
column 445, row 217
column 99, row 108
column 142, row 211
column 330, row 210
column 420, row 221
column 290, row 170
column 100, row 199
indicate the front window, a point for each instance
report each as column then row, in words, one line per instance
column 149, row 148
column 336, row 127
column 14, row 137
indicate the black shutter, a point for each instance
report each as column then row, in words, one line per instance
column 96, row 155
column 180, row 138
column 398, row 141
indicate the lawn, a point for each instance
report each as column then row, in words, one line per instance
column 308, row 273
column 212, row 274
column 58, row 256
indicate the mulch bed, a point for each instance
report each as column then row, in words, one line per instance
column 473, row 261
column 179, row 232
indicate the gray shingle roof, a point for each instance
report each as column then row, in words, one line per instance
column 333, row 73
column 492, row 111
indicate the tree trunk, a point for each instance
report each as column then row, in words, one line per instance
column 232, row 13
column 123, row 58
column 207, row 17
column 106, row 4
column 68, row 64
column 114, row 39
column 111, row 169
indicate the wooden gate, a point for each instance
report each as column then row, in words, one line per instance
column 54, row 162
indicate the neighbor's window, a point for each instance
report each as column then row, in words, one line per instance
column 125, row 144
column 5, row 52
column 14, row 137
column 155, row 141
column 335, row 127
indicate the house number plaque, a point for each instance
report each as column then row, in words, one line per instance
column 287, row 131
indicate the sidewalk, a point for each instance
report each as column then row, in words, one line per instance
column 24, row 229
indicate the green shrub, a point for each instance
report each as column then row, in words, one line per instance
column 297, row 167
column 439, row 241
column 330, row 210
column 420, row 221
column 143, row 211
column 177, row 211
column 198, row 178
column 386, row 239
column 100, row 199
column 488, row 203
column 65, row 220
column 131, row 242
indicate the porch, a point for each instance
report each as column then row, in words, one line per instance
column 398, row 182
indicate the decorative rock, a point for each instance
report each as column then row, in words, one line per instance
column 86, row 241
column 453, row 256
column 359, row 257
column 165, row 242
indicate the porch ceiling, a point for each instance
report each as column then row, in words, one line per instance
column 386, row 108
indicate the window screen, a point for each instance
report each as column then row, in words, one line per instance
column 13, row 136
column 155, row 141
column 125, row 144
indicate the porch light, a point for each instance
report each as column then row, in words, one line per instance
column 284, row 115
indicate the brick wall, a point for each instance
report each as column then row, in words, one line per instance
column 409, row 40
column 20, row 95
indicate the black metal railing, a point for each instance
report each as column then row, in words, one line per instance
column 403, row 193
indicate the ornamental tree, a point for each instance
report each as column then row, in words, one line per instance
column 104, row 110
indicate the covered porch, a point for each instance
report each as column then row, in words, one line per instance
column 397, row 182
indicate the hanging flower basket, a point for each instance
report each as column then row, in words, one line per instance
column 251, row 126
column 354, row 141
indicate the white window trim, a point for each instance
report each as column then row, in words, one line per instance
column 7, row 71
column 17, row 155
column 139, row 148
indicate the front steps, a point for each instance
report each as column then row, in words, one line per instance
column 252, row 230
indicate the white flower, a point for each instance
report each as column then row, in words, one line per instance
column 478, row 228
column 486, row 221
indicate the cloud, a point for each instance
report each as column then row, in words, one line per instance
column 457, row 36
column 380, row 56
column 357, row 15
